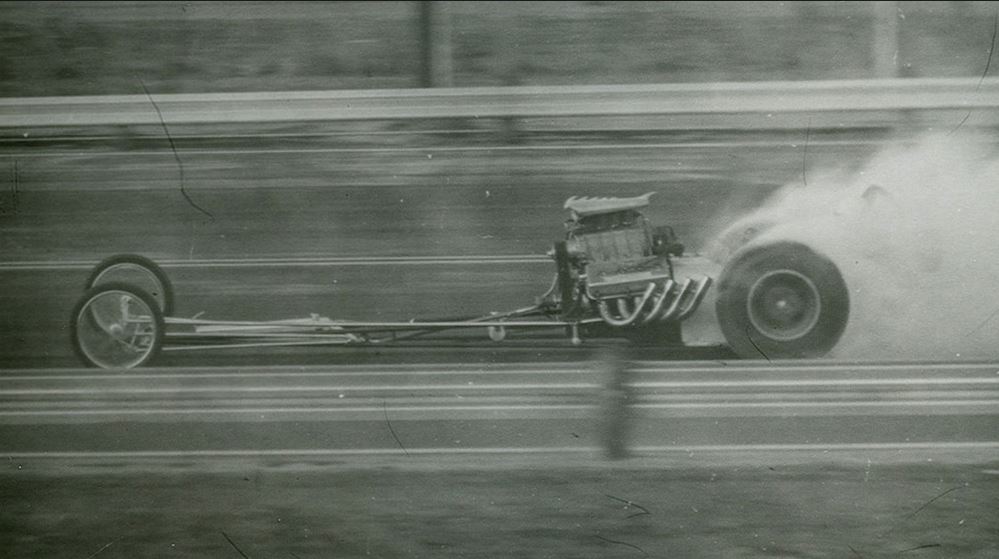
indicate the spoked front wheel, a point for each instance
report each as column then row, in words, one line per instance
column 117, row 326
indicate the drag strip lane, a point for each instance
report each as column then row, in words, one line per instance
column 526, row 407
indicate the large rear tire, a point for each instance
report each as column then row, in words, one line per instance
column 782, row 300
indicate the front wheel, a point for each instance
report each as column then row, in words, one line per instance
column 116, row 326
column 135, row 270
column 782, row 300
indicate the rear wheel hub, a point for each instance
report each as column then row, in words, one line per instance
column 784, row 305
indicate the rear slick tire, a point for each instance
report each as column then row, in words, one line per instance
column 782, row 300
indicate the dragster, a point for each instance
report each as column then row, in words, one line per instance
column 616, row 275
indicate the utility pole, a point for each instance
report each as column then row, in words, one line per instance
column 886, row 16
column 435, row 44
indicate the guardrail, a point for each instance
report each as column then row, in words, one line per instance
column 493, row 102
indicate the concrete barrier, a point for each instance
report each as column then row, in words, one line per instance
column 768, row 98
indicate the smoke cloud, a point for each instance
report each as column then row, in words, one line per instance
column 915, row 233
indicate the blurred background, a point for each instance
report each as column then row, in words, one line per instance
column 98, row 48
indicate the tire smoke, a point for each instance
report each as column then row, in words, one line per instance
column 915, row 234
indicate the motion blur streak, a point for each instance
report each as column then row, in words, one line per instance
column 913, row 232
column 470, row 408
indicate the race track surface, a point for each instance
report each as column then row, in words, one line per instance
column 730, row 459
column 466, row 450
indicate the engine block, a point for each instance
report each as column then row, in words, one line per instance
column 617, row 262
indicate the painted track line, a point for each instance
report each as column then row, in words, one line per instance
column 455, row 149
column 477, row 260
column 372, row 413
column 706, row 373
column 437, row 451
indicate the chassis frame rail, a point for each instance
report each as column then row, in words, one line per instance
column 123, row 319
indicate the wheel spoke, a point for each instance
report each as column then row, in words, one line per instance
column 116, row 327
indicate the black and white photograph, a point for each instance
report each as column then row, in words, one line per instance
column 499, row 279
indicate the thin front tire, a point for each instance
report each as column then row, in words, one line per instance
column 117, row 326
column 136, row 270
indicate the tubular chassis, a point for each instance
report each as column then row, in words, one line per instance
column 615, row 275
column 610, row 275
